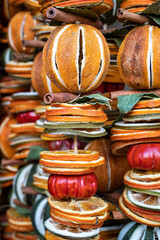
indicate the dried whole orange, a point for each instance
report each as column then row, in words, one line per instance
column 76, row 58
column 19, row 29
column 139, row 58
column 41, row 83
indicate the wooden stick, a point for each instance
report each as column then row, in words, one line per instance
column 58, row 97
column 75, row 145
column 33, row 43
column 115, row 94
column 29, row 190
column 62, row 16
column 124, row 15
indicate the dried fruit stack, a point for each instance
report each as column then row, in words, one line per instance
column 75, row 212
column 113, row 80
column 139, row 131
column 23, row 111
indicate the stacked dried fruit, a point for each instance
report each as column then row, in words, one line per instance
column 139, row 130
column 140, row 199
column 21, row 140
column 113, row 80
column 95, row 6
column 75, row 212
column 140, row 125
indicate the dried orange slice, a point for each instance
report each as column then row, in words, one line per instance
column 121, row 134
column 76, row 225
column 82, row 119
column 69, row 171
column 19, row 222
column 143, row 176
column 149, row 103
column 143, row 111
column 82, row 106
column 76, row 111
column 70, row 155
column 23, row 127
column 63, row 232
column 79, row 220
column 102, row 8
column 132, row 3
column 120, row 148
column 135, row 217
column 81, row 208
column 71, row 164
column 134, row 207
column 139, row 184
column 40, row 181
column 51, row 236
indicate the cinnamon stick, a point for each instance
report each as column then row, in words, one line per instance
column 28, row 190
column 58, row 97
column 108, row 30
column 117, row 215
column 12, row 162
column 19, row 57
column 124, row 15
column 62, row 16
column 113, row 197
column 33, row 43
column 115, row 94
column 18, row 203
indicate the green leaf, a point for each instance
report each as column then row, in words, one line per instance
column 156, row 19
column 34, row 153
column 84, row 12
column 23, row 211
column 117, row 40
column 93, row 99
column 127, row 102
column 153, row 8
